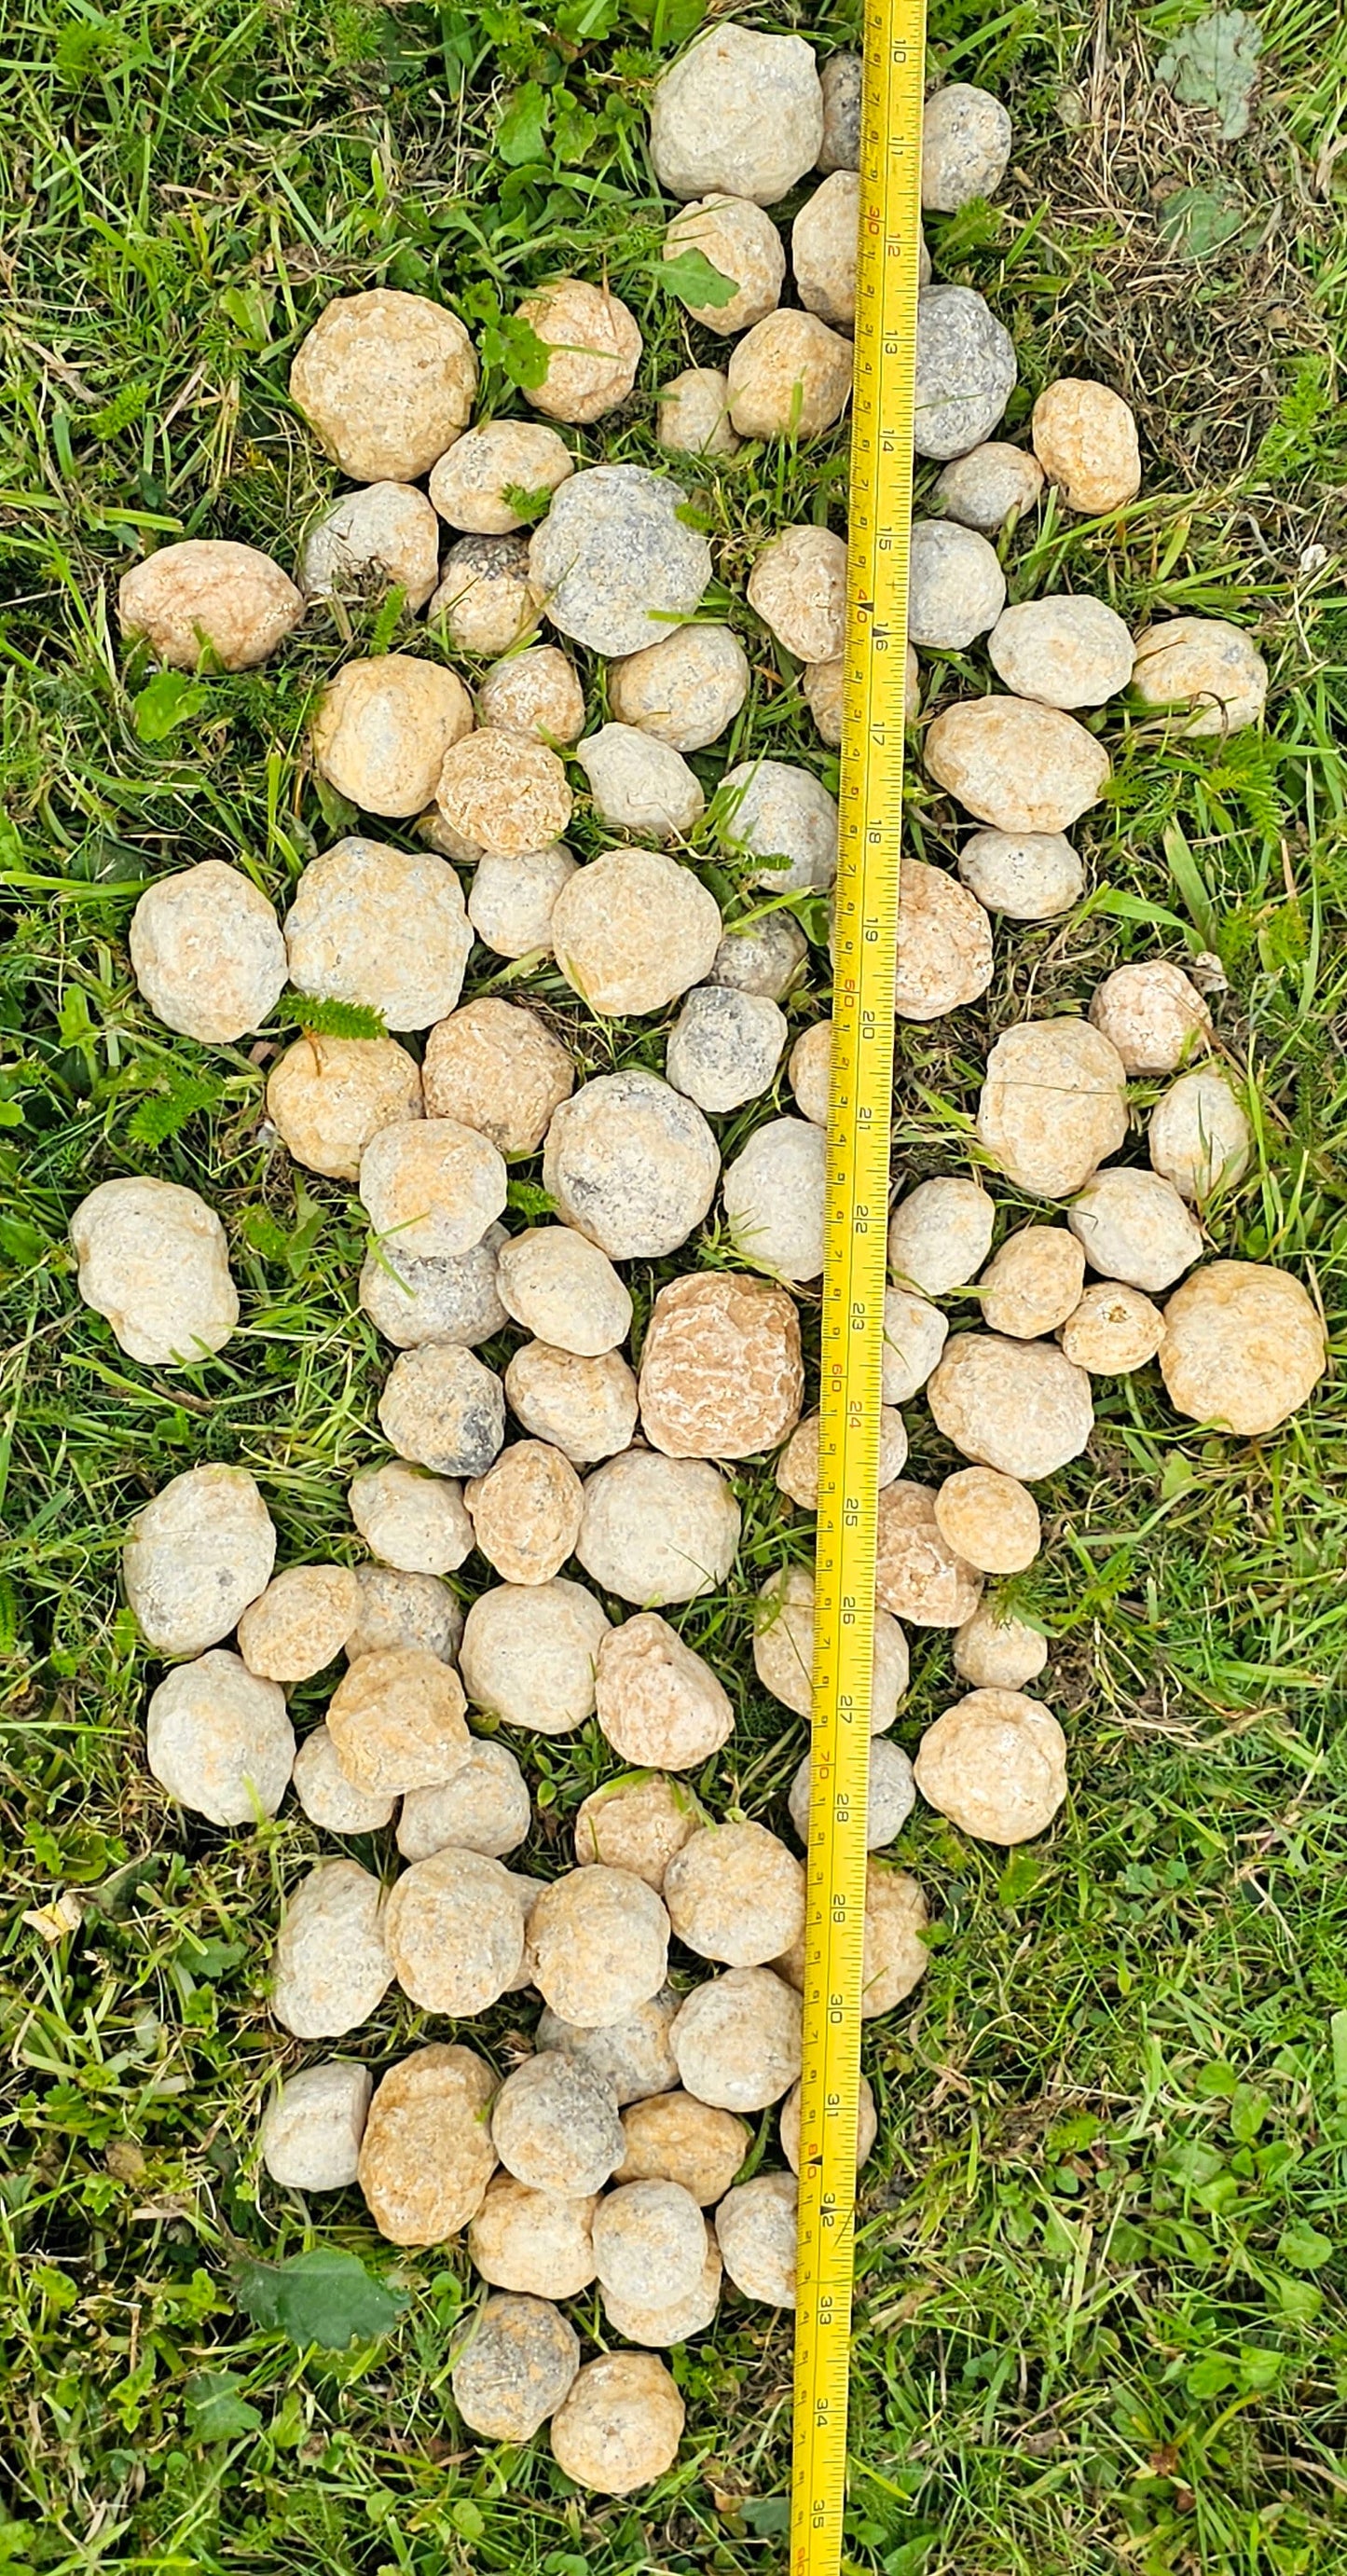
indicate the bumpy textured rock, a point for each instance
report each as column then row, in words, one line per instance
column 995, row 1764
column 485, row 601
column 823, row 249
column 773, row 1199
column 526, row 1512
column 789, row 377
column 595, row 346
column 988, row 1519
column 312, row 2127
column 674, row 2321
column 783, row 1649
column 535, row 693
column 649, row 2243
column 741, row 112
column 386, row 382
column 658, row 1702
column 1200, row 1138
column 1135, row 1227
column 798, row 587
column 914, row 1337
column 1112, row 1331
column 1054, row 1104
column 1243, row 1347
column 396, row 1720
column 207, row 600
column 404, row 1610
column 1153, row 1015
column 326, row 1097
column 737, row 2040
column 533, row 2241
column 484, row 1808
column 615, row 562
column 797, row 1468
column 511, row 902
column 514, row 2367
column 743, row 243
column 958, row 589
column 919, row 1577
column 426, row 2157
column 331, row 1968
column 599, row 1945
column 673, row 2138
column 1202, row 663
column 195, row 1556
column 1032, row 876
column 564, row 1290
column 1034, row 1282
column 782, row 814
column 452, row 1300
column 940, row 1234
column 207, row 953
column 1065, row 652
column 965, row 370
column 633, row 2055
column 811, row 1061
column 498, row 1069
column 383, row 538
column 631, row 1164
column 433, row 1187
column 455, row 1932
column 383, row 728
column 153, row 1259
column 469, row 485
column 1016, row 765
column 328, row 1798
column 823, row 684
column 692, row 415
column 639, row 785
column 724, row 1047
column 763, row 956
column 656, row 1529
column 622, row 2422
column 442, row 1409
column 721, row 1370
column 896, row 1957
column 867, row 2126
column 300, row 1623
column 380, row 926
column 944, row 955
column 1085, row 439
column 219, row 1741
column 982, row 488
column 685, row 691
column 842, row 81
column 504, row 794
column 965, row 147
column 755, row 2229
column 996, row 1651
column 586, row 1408
column 1018, row 1406
column 735, row 1893
column 529, row 1653
column 637, row 1823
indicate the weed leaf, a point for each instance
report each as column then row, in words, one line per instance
column 325, row 2297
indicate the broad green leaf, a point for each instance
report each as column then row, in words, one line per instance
column 217, row 2409
column 1214, row 63
column 1208, row 2376
column 691, row 276
column 1248, row 2111
column 1019, row 1878
column 325, row 2297
column 1197, row 222
column 519, row 135
column 1303, row 2247
column 250, row 309
column 171, row 698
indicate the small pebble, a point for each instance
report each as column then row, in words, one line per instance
column 944, row 954
column 536, row 2242
column 330, row 1968
column 919, row 1576
column 1205, row 665
column 1153, row 1015
column 823, row 249
column 1200, row 1138
column 526, row 1512
column 454, row 1932
column 219, row 1741
column 797, row 1468
column 940, row 1234
column 432, row 1187
column 300, row 1623
column 1017, row 1406
column 1033, row 1284
column 426, row 2157
column 586, row 1408
column 328, row 1798
column 659, row 1704
column 988, row 1519
column 811, row 1061
column 483, row 1808
column 761, row 956
column 153, row 1259
column 842, row 82
column 1014, row 764
column 513, row 2368
column 891, row 1799
column 996, row 1651
column 599, row 1945
column 622, row 2422
column 396, row 1721
column 721, row 1369
column 237, row 600
column 637, row 1823
column 914, row 1337
column 485, row 601
column 692, row 414
column 995, row 1764
column 1064, row 652
column 564, row 1291
column 1135, row 1227
column 450, row 1300
column 633, row 2055
column 982, row 488
column 1243, row 1347
column 471, row 483
column 737, row 2040
column 400, row 1610
column 194, row 1557
column 1112, row 1331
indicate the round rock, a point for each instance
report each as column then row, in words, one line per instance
column 632, row 2055
column 1017, row 1406
column 614, row 561
column 498, row 1069
column 1053, row 1106
column 649, row 2243
column 154, row 1260
column 823, row 249
column 396, row 1721
column 637, row 1823
column 740, row 113
column 896, row 1956
column 383, row 927
column 940, row 1234
column 988, row 1519
column 555, row 2127
column 1200, row 1138
column 798, row 586
column 1135, row 1227
column 529, row 1653
column 514, row 2368
column 208, row 600
column 737, row 2040
column 1243, row 1347
column 442, row 1409
column 526, row 1512
column 811, row 1065
column 599, row 1946
column 637, row 784
column 622, row 2422
column 735, row 1893
column 1153, row 1015
column 914, row 1337
column 504, row 794
column 721, row 1370
column 797, row 1468
column 586, row 1408
column 1205, row 665
column 658, row 1702
column 1064, row 652
column 451, row 1300
column 1034, row 1282
column 426, row 2157
column 207, row 953
column 744, row 245
column 773, row 1199
column 996, row 1651
column 485, row 601
column 724, row 1047
column 995, row 1764
column 656, row 1529
column 692, row 414
column 1085, row 439
column 455, row 1932
column 965, row 147
column 312, row 2127
column 386, row 383
column 672, row 2138
column 762, row 956
column 219, row 1741
column 383, row 728
column 944, row 957
column 1112, row 1331
column 404, row 1610
column 982, row 488
column 957, row 588
column 195, row 1556
column 537, row 2242
column 676, row 2320
column 1031, row 876
column 512, row 900
column 631, row 1164
column 328, row 1798
column 326, row 1097
column 1016, row 765
column 966, row 371
column 434, row 1187
column 536, row 693
column 484, row 1808
column 562, row 1289
column 383, row 538
column 469, row 485
column 891, row 1799
column 300, row 1623
column 789, row 377
column 685, row 691
column 824, row 688
column 919, row 1577
column 783, row 1649
column 867, row 2126
column 842, row 82
column 594, row 345
column 330, row 1969
column 784, row 819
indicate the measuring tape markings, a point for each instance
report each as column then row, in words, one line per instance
column 854, row 1278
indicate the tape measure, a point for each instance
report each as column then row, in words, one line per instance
column 853, row 1281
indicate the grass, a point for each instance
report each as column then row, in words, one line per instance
column 1102, row 2319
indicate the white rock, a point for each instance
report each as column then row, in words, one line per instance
column 484, row 1808
column 966, row 371
column 1200, row 1138
column 595, row 346
column 639, row 784
column 383, row 927
column 207, row 953
column 312, row 2127
column 692, row 414
column 996, row 1651
column 219, row 1741
column 195, row 1556
column 564, row 1291
column 777, row 813
column 385, row 537
column 529, row 1654
column 743, row 243
column 1153, row 1015
column 470, row 483
column 940, row 1234
column 1015, row 764
column 1018, row 1406
column 982, row 488
column 614, row 561
column 1135, row 1227
column 891, row 1801
column 433, row 1187
column 789, row 377
column 957, row 588
column 740, row 112
column 631, row 1164
column 773, row 1198
column 328, row 1798
column 1053, row 1106
column 385, row 381
column 450, row 1300
column 1065, row 652
column 685, row 691
column 153, row 1259
column 823, row 249
column 761, row 956
column 512, row 900
column 724, row 1047
column 1243, row 1347
column 658, row 1529
column 383, row 727
column 965, row 147
column 536, row 693
column 1031, row 876
column 410, row 1520
column 331, row 1968
column 1206, row 665
column 944, row 956
column 798, row 586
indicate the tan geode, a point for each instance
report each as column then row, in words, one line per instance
column 594, row 345
column 300, row 1623
column 896, row 1957
column 1112, row 1331
column 207, row 953
column 426, row 2156
column 918, row 1576
column 658, row 1702
column 499, row 1069
column 739, row 239
column 455, row 1931
column 1033, row 1283
column 995, row 1764
column 658, row 1529
column 736, row 1893
column 536, row 694
column 989, row 1519
column 326, row 1097
column 1016, row 765
column 207, row 600
column 195, row 1555
column 504, row 794
column 380, row 926
column 637, row 1824
column 385, row 381
column 533, row 2241
column 620, row 2425
column 1153, row 1015
column 789, row 376
column 526, row 1512
column 513, row 2368
column 469, row 484
column 432, row 1187
column 1053, row 1105
column 383, row 728
column 671, row 2137
column 1243, row 1347
column 944, row 957
column 154, row 1260
column 633, row 930
column 586, row 1408
column 330, row 1969
column 1085, row 439
column 783, row 1648
column 798, row 586
column 737, row 2040
column 721, row 1371
column 1017, row 1406
column 599, row 1945
column 397, row 1721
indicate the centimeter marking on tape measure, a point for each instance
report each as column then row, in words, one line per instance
column 853, row 1295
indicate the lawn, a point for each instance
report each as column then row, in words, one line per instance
column 1102, row 2273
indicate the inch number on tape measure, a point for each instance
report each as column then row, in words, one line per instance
column 853, row 1292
